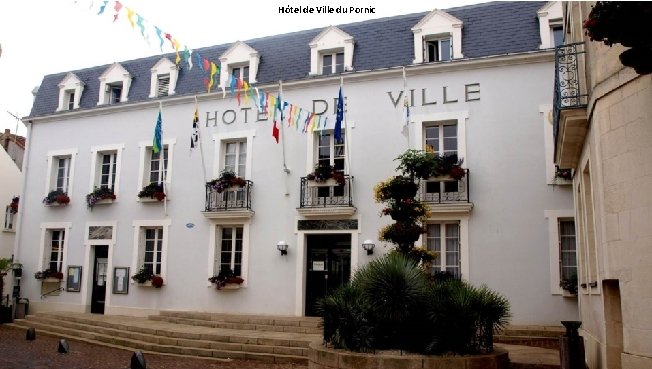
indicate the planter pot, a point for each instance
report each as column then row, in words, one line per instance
column 51, row 280
column 567, row 293
column 105, row 202
column 56, row 204
column 231, row 286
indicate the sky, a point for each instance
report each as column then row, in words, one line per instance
column 40, row 37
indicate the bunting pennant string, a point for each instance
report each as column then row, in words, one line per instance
column 262, row 101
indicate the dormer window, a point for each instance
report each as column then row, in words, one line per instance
column 332, row 63
column 114, row 85
column 164, row 75
column 241, row 61
column 437, row 37
column 70, row 90
column 331, row 52
column 551, row 28
column 437, row 49
column 241, row 73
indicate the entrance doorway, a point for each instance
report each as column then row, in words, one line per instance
column 328, row 266
column 613, row 318
column 100, row 266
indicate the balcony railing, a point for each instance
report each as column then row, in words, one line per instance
column 325, row 194
column 234, row 198
column 570, row 80
column 443, row 190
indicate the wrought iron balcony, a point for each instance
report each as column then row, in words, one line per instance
column 326, row 194
column 570, row 123
column 570, row 80
column 233, row 198
column 439, row 191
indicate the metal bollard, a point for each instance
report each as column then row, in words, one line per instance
column 571, row 346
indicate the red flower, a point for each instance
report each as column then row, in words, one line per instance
column 157, row 281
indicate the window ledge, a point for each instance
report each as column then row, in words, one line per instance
column 229, row 214
column 105, row 202
column 230, row 287
column 51, row 280
column 147, row 284
column 9, row 230
column 147, row 199
column 327, row 211
column 55, row 205
column 463, row 207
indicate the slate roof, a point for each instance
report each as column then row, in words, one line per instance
column 494, row 28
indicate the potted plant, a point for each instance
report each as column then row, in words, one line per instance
column 420, row 164
column 565, row 174
column 99, row 194
column 49, row 275
column 13, row 207
column 143, row 275
column 226, row 180
column 326, row 175
column 56, row 197
column 226, row 279
column 157, row 281
column 569, row 285
column 153, row 191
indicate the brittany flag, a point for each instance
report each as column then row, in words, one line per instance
column 194, row 136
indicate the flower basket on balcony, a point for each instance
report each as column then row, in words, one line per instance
column 49, row 276
column 626, row 23
column 401, row 233
column 569, row 285
column 13, row 207
column 419, row 164
column 226, row 279
column 565, row 174
column 153, row 191
column 397, row 187
column 226, row 180
column 56, row 197
column 99, row 194
column 324, row 172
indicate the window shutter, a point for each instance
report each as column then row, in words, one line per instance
column 163, row 85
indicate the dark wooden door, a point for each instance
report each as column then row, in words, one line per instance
column 100, row 272
column 328, row 266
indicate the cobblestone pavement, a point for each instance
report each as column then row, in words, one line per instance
column 18, row 353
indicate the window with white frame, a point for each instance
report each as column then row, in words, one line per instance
column 229, row 249
column 54, row 253
column 9, row 218
column 150, row 246
column 332, row 63
column 440, row 138
column 241, row 72
column 158, row 165
column 444, row 239
column 331, row 151
column 437, row 49
column 567, row 250
column 60, row 172
column 70, row 99
column 152, row 249
column 557, row 33
column 108, row 169
column 235, row 157
column 113, row 93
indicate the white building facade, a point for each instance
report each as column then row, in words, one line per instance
column 488, row 104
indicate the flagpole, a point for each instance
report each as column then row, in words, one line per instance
column 201, row 144
column 406, row 109
column 347, row 147
column 280, row 105
column 161, row 158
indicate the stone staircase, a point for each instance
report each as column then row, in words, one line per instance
column 221, row 336
column 533, row 336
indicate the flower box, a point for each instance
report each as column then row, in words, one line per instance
column 51, row 280
column 567, row 293
column 231, row 286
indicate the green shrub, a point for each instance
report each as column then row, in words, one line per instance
column 392, row 304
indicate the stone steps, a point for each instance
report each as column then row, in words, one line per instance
column 534, row 336
column 243, row 322
column 173, row 338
